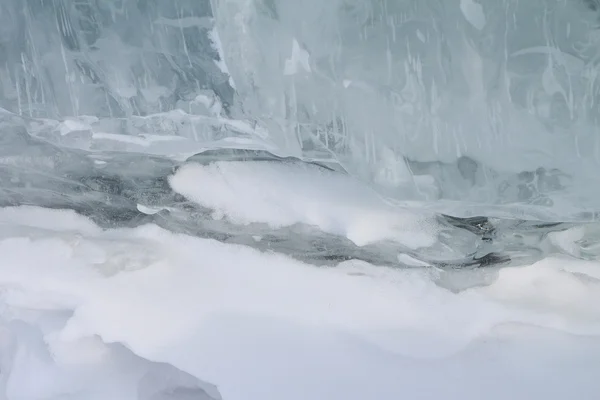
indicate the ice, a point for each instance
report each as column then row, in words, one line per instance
column 431, row 83
column 282, row 199
column 260, row 325
column 220, row 62
column 473, row 12
column 299, row 58
column 508, row 85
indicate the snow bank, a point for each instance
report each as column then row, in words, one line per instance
column 283, row 194
column 263, row 326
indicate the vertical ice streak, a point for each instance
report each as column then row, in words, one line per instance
column 509, row 87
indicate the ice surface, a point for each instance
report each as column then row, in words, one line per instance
column 92, row 313
column 492, row 103
column 475, row 96
column 282, row 199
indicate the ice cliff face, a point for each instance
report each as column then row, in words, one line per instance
column 492, row 103
column 107, row 59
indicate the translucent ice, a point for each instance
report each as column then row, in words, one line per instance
column 284, row 199
column 461, row 100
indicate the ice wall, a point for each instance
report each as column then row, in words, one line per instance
column 494, row 100
column 489, row 102
column 106, row 58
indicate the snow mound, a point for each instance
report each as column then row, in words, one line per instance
column 284, row 194
column 88, row 314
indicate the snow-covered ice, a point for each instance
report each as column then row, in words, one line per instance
column 88, row 313
column 286, row 194
column 138, row 114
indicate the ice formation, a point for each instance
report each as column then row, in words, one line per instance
column 283, row 199
column 482, row 101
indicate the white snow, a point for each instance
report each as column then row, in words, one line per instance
column 281, row 194
column 92, row 314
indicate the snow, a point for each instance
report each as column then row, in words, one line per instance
column 284, row 194
column 401, row 98
column 94, row 313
